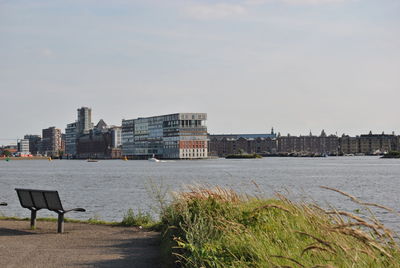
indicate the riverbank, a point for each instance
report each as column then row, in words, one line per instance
column 220, row 228
column 24, row 158
column 391, row 155
column 209, row 227
column 82, row 245
column 243, row 156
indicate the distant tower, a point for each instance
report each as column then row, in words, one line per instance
column 272, row 131
column 84, row 120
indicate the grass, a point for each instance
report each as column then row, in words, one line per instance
column 217, row 227
column 129, row 219
column 88, row 221
column 139, row 219
column 220, row 228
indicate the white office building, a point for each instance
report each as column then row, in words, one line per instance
column 23, row 147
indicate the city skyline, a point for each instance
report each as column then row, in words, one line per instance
column 249, row 64
column 185, row 136
column 13, row 141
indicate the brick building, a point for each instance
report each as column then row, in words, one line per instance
column 223, row 145
column 310, row 144
column 51, row 144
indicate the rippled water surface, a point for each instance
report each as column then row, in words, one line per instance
column 107, row 189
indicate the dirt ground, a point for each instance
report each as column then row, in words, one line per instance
column 81, row 245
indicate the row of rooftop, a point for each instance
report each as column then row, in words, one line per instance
column 183, row 136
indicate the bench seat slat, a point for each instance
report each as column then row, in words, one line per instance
column 53, row 201
column 25, row 199
column 38, row 200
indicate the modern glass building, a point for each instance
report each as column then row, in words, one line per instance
column 34, row 143
column 127, row 136
column 173, row 136
column 70, row 140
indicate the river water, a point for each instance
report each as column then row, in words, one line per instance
column 107, row 189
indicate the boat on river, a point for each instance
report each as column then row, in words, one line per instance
column 154, row 159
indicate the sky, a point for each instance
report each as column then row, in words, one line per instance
column 295, row 65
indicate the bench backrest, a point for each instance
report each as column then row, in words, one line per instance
column 38, row 199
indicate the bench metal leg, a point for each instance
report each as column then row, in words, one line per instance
column 60, row 228
column 33, row 219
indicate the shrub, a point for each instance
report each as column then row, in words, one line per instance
column 243, row 156
column 392, row 154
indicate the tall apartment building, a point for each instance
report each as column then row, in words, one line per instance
column 84, row 120
column 71, row 135
column 127, row 137
column 116, row 136
column 75, row 130
column 34, row 143
column 177, row 136
column 23, row 147
column 51, row 142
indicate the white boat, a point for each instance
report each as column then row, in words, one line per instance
column 153, row 159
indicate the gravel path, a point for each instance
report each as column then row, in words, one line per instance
column 82, row 245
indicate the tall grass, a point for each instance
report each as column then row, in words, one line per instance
column 216, row 227
column 137, row 219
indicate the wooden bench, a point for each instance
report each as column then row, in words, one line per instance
column 35, row 200
column 3, row 204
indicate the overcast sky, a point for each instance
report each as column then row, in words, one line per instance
column 297, row 65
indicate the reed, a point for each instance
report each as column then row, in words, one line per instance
column 217, row 227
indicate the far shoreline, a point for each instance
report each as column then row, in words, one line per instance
column 209, row 158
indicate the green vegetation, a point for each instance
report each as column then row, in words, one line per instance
column 243, row 156
column 139, row 219
column 130, row 219
column 392, row 154
column 89, row 221
column 219, row 228
column 6, row 153
column 216, row 227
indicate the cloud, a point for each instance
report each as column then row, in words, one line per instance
column 215, row 11
column 46, row 52
column 312, row 2
column 224, row 10
column 296, row 2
